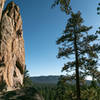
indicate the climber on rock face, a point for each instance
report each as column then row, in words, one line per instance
column 19, row 32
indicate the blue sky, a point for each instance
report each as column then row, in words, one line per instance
column 43, row 25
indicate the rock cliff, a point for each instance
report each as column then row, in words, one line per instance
column 12, row 53
column 1, row 7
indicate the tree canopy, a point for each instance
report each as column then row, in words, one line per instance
column 64, row 5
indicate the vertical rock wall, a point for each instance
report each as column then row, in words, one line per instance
column 1, row 7
column 12, row 53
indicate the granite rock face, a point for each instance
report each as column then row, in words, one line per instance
column 1, row 7
column 12, row 53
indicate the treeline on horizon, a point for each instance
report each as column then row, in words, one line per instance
column 62, row 91
column 65, row 90
column 82, row 50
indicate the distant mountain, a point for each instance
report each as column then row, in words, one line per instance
column 50, row 80
column 45, row 79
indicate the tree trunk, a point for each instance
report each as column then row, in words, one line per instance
column 77, row 68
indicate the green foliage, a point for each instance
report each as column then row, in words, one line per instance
column 64, row 5
column 48, row 91
column 80, row 48
column 27, row 82
column 61, row 89
column 89, row 94
column 98, row 9
column 67, row 91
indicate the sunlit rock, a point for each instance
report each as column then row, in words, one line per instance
column 12, row 53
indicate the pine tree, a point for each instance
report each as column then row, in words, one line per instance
column 79, row 48
column 98, row 9
column 27, row 82
column 61, row 88
column 64, row 5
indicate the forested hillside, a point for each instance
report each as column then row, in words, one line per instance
column 45, row 79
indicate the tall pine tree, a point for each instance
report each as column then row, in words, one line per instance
column 79, row 47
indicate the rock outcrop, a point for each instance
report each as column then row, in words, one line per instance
column 1, row 7
column 28, row 93
column 12, row 54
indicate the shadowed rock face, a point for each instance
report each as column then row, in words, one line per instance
column 28, row 93
column 12, row 54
